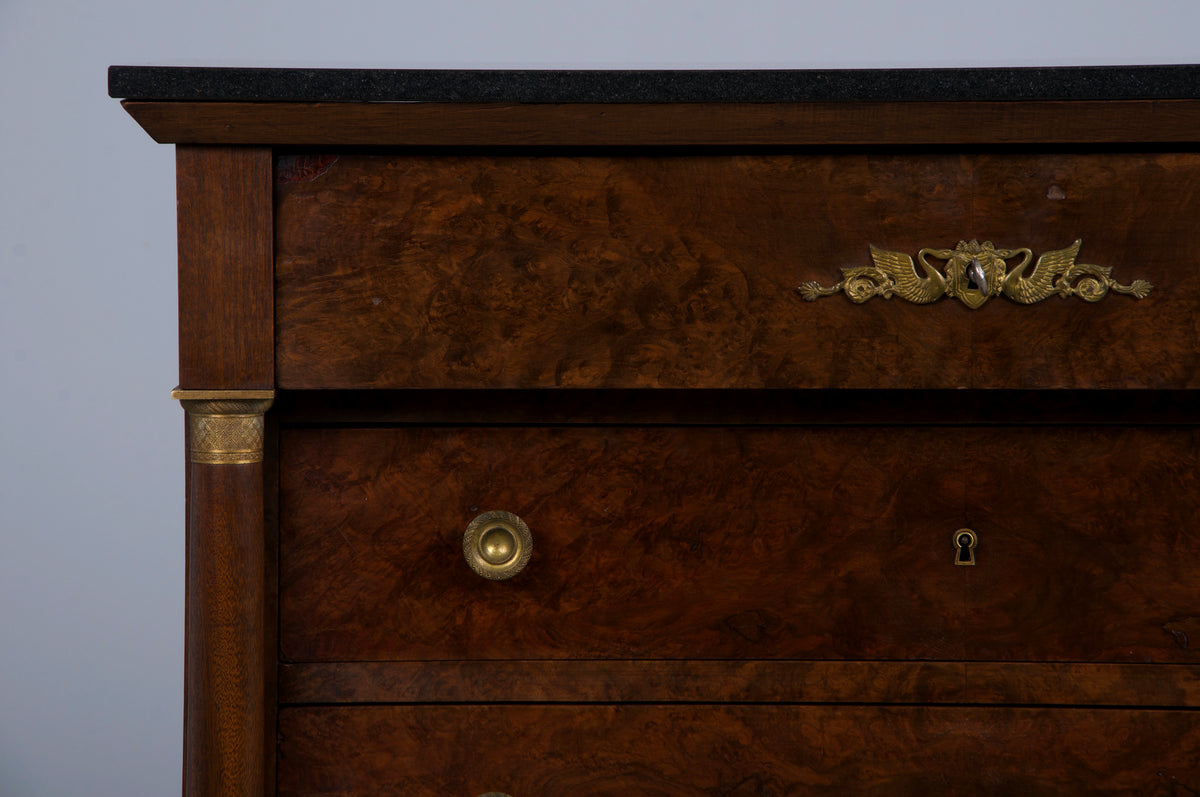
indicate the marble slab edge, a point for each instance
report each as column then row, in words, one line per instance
column 227, row 84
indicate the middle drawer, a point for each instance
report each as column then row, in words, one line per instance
column 742, row 543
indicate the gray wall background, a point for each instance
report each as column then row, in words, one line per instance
column 91, row 460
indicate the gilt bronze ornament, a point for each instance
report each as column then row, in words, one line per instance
column 974, row 273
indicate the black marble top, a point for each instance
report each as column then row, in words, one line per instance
column 451, row 85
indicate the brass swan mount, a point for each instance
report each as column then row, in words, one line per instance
column 974, row 272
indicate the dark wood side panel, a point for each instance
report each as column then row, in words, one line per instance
column 270, row 643
column 681, row 271
column 226, row 302
column 1138, row 685
column 225, row 711
column 744, row 543
column 673, row 751
column 633, row 124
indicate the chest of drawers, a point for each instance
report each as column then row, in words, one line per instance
column 688, row 433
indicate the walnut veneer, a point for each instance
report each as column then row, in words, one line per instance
column 743, row 504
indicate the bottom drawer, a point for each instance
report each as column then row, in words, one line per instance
column 669, row 750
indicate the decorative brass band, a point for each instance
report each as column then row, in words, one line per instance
column 225, row 426
column 975, row 272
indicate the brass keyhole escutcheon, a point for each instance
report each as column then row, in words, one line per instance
column 965, row 541
column 497, row 545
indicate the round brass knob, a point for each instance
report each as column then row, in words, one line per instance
column 497, row 545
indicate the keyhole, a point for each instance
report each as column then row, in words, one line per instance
column 965, row 540
column 976, row 278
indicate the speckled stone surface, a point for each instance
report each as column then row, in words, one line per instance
column 440, row 85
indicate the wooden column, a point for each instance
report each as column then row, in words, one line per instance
column 226, row 374
column 227, row 661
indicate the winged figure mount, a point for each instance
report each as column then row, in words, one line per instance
column 973, row 273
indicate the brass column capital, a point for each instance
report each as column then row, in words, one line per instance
column 225, row 426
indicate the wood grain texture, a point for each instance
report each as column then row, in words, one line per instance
column 226, row 667
column 740, row 682
column 634, row 124
column 270, row 644
column 743, row 543
column 226, row 301
column 681, row 271
column 671, row 751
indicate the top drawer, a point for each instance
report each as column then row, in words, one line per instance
column 681, row 270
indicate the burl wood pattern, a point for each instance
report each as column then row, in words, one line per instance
column 669, row 681
column 744, row 543
column 226, row 315
column 673, row 751
column 681, row 270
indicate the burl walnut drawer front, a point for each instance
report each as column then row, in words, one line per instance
column 688, row 751
column 683, row 270
column 743, row 543
column 851, row 417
